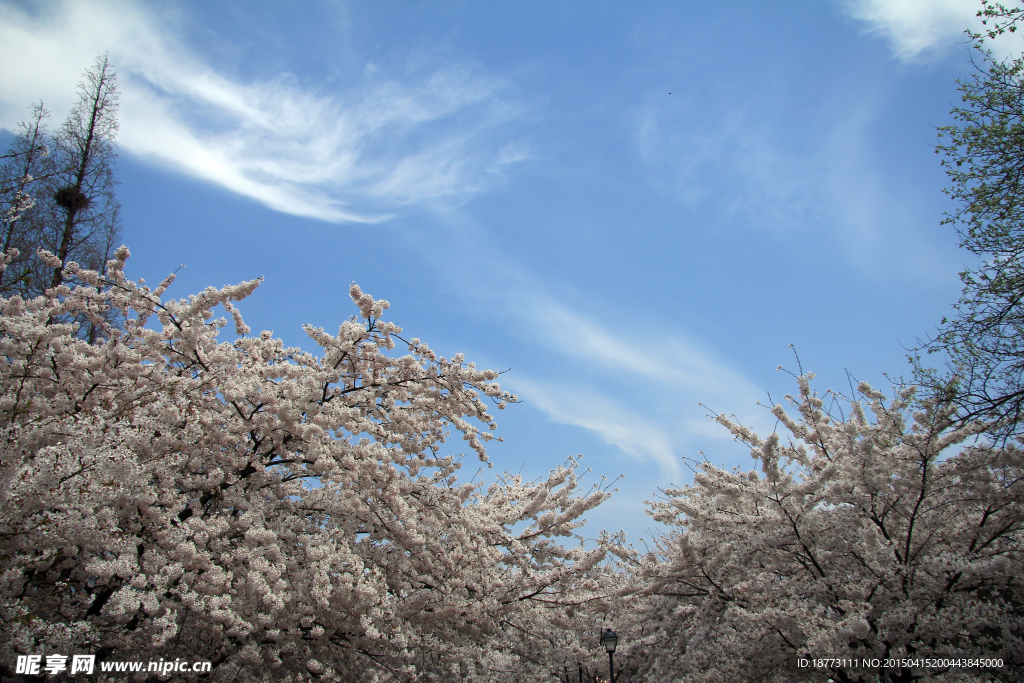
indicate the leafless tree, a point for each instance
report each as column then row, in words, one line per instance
column 25, row 166
column 58, row 189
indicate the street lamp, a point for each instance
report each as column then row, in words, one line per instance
column 610, row 640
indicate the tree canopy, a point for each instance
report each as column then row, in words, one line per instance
column 277, row 513
column 883, row 535
column 983, row 154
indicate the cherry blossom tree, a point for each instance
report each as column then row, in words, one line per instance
column 890, row 532
column 282, row 514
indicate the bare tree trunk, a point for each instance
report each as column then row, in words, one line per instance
column 86, row 140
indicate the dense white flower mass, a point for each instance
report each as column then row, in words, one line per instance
column 282, row 514
column 883, row 548
column 293, row 516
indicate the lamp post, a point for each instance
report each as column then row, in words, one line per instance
column 610, row 640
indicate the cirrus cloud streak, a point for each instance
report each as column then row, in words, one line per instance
column 355, row 154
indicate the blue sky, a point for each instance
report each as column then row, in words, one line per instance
column 633, row 207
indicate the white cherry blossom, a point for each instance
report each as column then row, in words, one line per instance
column 283, row 514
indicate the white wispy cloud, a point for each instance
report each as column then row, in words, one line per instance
column 636, row 389
column 622, row 372
column 917, row 28
column 746, row 172
column 626, row 427
column 625, row 349
column 729, row 156
column 352, row 155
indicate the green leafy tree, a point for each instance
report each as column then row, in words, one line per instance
column 983, row 150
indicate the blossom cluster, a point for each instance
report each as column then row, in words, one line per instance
column 890, row 533
column 279, row 513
